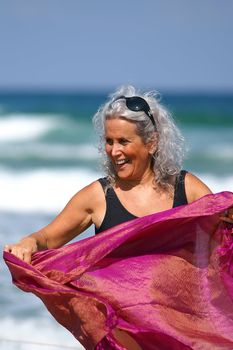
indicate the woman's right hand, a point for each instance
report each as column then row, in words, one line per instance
column 24, row 249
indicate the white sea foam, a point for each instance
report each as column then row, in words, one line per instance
column 41, row 190
column 49, row 190
column 44, row 151
column 20, row 127
column 218, row 183
column 30, row 333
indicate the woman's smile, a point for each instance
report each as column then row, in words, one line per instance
column 129, row 155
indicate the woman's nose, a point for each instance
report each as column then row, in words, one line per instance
column 116, row 149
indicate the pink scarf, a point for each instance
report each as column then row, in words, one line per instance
column 166, row 279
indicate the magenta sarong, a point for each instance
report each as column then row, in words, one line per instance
column 166, row 279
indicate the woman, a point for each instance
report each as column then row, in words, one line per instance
column 142, row 153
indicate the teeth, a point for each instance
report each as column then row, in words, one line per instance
column 121, row 161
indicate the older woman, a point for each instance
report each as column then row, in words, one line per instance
column 142, row 153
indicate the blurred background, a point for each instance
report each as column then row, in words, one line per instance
column 59, row 60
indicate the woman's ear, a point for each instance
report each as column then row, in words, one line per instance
column 153, row 144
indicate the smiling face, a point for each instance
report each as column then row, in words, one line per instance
column 130, row 156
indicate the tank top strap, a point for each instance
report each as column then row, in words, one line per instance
column 104, row 182
column 115, row 211
column 180, row 197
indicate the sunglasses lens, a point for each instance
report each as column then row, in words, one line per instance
column 136, row 103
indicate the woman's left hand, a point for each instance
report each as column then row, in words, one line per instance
column 227, row 216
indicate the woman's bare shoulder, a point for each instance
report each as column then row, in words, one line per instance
column 195, row 188
column 82, row 209
column 92, row 193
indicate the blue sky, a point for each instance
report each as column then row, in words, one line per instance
column 89, row 44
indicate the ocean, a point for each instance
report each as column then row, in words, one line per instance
column 48, row 151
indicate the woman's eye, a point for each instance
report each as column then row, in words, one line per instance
column 109, row 142
column 123, row 141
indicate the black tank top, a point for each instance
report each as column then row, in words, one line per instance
column 117, row 214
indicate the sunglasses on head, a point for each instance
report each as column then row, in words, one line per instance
column 137, row 104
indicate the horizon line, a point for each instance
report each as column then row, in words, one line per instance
column 106, row 90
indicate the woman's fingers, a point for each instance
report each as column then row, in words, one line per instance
column 19, row 251
column 27, row 257
column 230, row 213
column 227, row 216
column 7, row 248
column 226, row 219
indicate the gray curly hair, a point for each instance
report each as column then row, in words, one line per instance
column 168, row 156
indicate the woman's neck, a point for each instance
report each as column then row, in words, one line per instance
column 147, row 180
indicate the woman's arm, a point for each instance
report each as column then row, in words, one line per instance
column 75, row 218
column 195, row 188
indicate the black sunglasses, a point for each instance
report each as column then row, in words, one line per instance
column 137, row 104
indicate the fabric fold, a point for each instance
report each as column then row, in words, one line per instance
column 166, row 279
